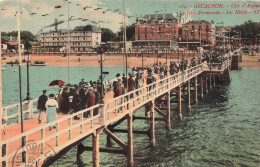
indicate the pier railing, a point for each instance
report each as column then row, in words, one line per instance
column 12, row 114
column 13, row 111
column 137, row 98
column 76, row 128
column 82, row 123
column 219, row 66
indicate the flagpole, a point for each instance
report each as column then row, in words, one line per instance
column 19, row 60
column 1, row 108
column 68, row 42
column 125, row 45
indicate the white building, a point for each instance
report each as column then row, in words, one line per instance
column 80, row 39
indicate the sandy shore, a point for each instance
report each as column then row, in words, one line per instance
column 250, row 61
column 118, row 60
column 92, row 60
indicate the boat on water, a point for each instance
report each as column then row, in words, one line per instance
column 14, row 70
column 3, row 69
column 38, row 63
column 12, row 63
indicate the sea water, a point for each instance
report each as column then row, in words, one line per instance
column 223, row 129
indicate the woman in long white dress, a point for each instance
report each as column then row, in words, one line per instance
column 51, row 106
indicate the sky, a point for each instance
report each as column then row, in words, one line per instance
column 36, row 15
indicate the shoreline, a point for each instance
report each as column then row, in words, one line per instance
column 118, row 60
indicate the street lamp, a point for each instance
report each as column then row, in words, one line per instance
column 27, row 60
column 101, row 59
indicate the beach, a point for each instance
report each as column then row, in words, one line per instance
column 92, row 59
column 118, row 60
column 250, row 61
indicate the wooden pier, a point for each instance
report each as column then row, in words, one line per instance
column 38, row 146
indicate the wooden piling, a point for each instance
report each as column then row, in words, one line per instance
column 188, row 95
column 95, row 149
column 179, row 102
column 201, row 87
column 152, row 126
column 210, row 83
column 130, row 156
column 195, row 91
column 214, row 81
column 168, row 120
column 206, row 85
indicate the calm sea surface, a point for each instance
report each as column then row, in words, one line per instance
column 222, row 130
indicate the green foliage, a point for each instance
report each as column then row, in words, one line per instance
column 107, row 35
column 26, row 36
column 249, row 29
column 130, row 33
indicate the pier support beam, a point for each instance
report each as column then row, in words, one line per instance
column 213, row 81
column 95, row 149
column 201, row 87
column 210, row 83
column 130, row 156
column 168, row 119
column 206, row 85
column 195, row 91
column 188, row 95
column 179, row 102
column 152, row 126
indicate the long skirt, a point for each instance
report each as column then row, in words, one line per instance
column 51, row 114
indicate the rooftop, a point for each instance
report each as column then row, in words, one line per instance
column 10, row 38
column 198, row 22
column 158, row 18
column 87, row 28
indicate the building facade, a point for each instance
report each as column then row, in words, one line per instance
column 196, row 33
column 9, row 44
column 80, row 39
column 165, row 30
column 158, row 30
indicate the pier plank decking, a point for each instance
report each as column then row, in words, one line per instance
column 38, row 146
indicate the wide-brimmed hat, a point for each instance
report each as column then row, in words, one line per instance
column 51, row 96
column 117, row 75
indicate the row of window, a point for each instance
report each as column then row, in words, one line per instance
column 73, row 33
column 66, row 38
column 160, row 29
column 72, row 44
column 153, row 37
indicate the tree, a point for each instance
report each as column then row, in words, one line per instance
column 26, row 36
column 130, row 33
column 249, row 29
column 107, row 35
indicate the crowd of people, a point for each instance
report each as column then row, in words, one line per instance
column 74, row 98
column 70, row 99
